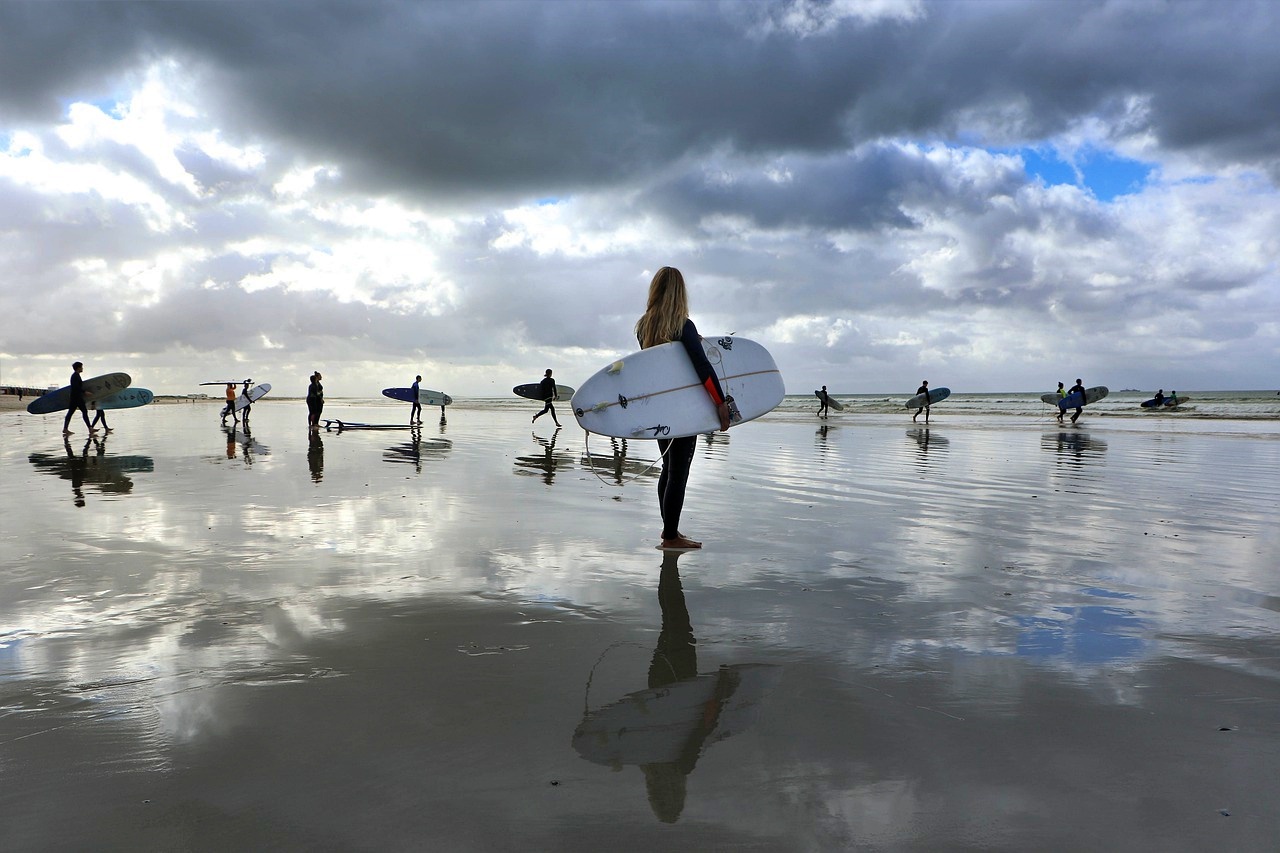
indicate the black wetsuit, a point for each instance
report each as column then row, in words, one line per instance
column 677, row 453
column 76, row 402
column 547, row 388
column 315, row 401
column 415, row 413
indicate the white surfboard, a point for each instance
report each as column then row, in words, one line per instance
column 655, row 393
column 256, row 393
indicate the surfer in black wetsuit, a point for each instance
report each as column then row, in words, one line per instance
column 824, row 402
column 315, row 402
column 666, row 319
column 76, row 401
column 923, row 389
column 415, row 413
column 1159, row 398
column 244, row 416
column 1078, row 387
column 547, row 388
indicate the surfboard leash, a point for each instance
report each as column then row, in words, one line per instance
column 591, row 463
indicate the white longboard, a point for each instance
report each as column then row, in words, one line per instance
column 655, row 393
column 256, row 393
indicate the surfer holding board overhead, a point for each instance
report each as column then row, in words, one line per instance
column 665, row 320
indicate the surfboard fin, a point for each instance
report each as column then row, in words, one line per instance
column 615, row 368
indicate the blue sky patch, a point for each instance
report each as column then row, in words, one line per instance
column 1103, row 173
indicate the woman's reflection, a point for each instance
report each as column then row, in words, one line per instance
column 315, row 456
column 665, row 728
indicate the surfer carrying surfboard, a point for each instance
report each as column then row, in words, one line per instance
column 231, row 405
column 415, row 412
column 923, row 389
column 824, row 402
column 1077, row 388
column 77, row 400
column 547, row 388
column 666, row 319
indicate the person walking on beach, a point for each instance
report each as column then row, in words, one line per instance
column 77, row 400
column 923, row 389
column 547, row 388
column 244, row 416
column 231, row 404
column 824, row 402
column 666, row 319
column 1078, row 387
column 315, row 402
column 415, row 413
column 1062, row 392
column 100, row 417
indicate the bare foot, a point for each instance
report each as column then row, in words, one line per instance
column 680, row 543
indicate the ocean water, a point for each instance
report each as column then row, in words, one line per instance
column 1231, row 411
column 991, row 633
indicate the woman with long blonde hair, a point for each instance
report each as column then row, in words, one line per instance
column 666, row 319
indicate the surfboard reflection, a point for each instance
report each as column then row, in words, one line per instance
column 665, row 728
column 416, row 450
column 105, row 474
column 546, row 463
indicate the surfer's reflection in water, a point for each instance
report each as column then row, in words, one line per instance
column 665, row 728
column 244, row 443
column 108, row 474
column 1074, row 448
column 926, row 442
column 546, row 463
column 315, row 455
column 617, row 464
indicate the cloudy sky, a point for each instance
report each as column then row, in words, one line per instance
column 993, row 196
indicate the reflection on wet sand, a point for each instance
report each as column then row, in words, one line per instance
column 315, row 455
column 616, row 466
column 546, row 463
column 926, row 440
column 413, row 451
column 108, row 474
column 665, row 728
column 242, row 443
column 1074, row 447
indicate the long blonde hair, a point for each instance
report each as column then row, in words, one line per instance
column 667, row 310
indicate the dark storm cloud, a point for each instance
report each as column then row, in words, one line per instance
column 549, row 97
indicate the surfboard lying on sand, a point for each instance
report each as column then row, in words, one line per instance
column 256, row 393
column 936, row 395
column 1091, row 395
column 533, row 391
column 425, row 397
column 99, row 386
column 129, row 398
column 835, row 404
column 656, row 393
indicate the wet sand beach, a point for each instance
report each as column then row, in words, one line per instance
column 991, row 634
